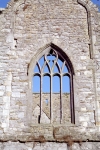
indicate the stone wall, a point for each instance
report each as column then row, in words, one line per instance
column 49, row 146
column 27, row 29
column 56, row 108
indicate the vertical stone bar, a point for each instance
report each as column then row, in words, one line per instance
column 72, row 100
column 61, row 103
column 40, row 117
column 51, row 102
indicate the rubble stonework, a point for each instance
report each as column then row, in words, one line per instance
column 46, row 108
column 27, row 29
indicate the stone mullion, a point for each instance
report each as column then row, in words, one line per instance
column 41, row 97
column 51, row 101
column 61, row 101
column 72, row 99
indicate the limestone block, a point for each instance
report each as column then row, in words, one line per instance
column 4, row 125
column 6, row 99
column 21, row 115
column 6, row 30
column 2, row 88
column 8, row 88
column 1, row 93
column 6, row 105
column 86, row 146
column 83, row 57
column 75, row 146
column 15, row 94
column 81, row 118
column 84, row 124
column 88, row 72
column 7, row 83
column 61, row 148
column 9, row 76
column 83, row 109
column 44, row 118
column 5, row 112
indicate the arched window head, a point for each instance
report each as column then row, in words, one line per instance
column 52, row 87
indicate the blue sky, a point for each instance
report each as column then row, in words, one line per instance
column 3, row 3
column 46, row 78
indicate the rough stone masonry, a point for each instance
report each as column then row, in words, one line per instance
column 27, row 29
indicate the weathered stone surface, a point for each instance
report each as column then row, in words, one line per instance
column 27, row 28
column 56, row 108
column 49, row 146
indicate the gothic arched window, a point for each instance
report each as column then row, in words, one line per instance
column 52, row 88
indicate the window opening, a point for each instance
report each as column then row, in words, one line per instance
column 46, row 101
column 56, row 84
column 51, row 57
column 60, row 63
column 53, row 83
column 56, row 69
column 36, row 69
column 65, row 69
column 41, row 61
column 51, row 63
column 46, row 84
column 46, row 69
column 65, row 81
column 36, row 82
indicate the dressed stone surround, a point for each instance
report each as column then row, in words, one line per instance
column 27, row 29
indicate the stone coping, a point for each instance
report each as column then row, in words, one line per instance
column 52, row 133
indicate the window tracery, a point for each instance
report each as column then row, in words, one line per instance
column 52, row 83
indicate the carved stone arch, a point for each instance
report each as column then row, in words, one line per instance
column 88, row 4
column 32, row 64
column 92, row 17
column 15, row 7
column 47, row 48
column 15, row 4
column 11, row 3
column 22, row 2
column 93, row 24
column 91, row 8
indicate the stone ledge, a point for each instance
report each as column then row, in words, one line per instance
column 52, row 134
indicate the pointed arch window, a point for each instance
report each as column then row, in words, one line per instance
column 52, row 83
